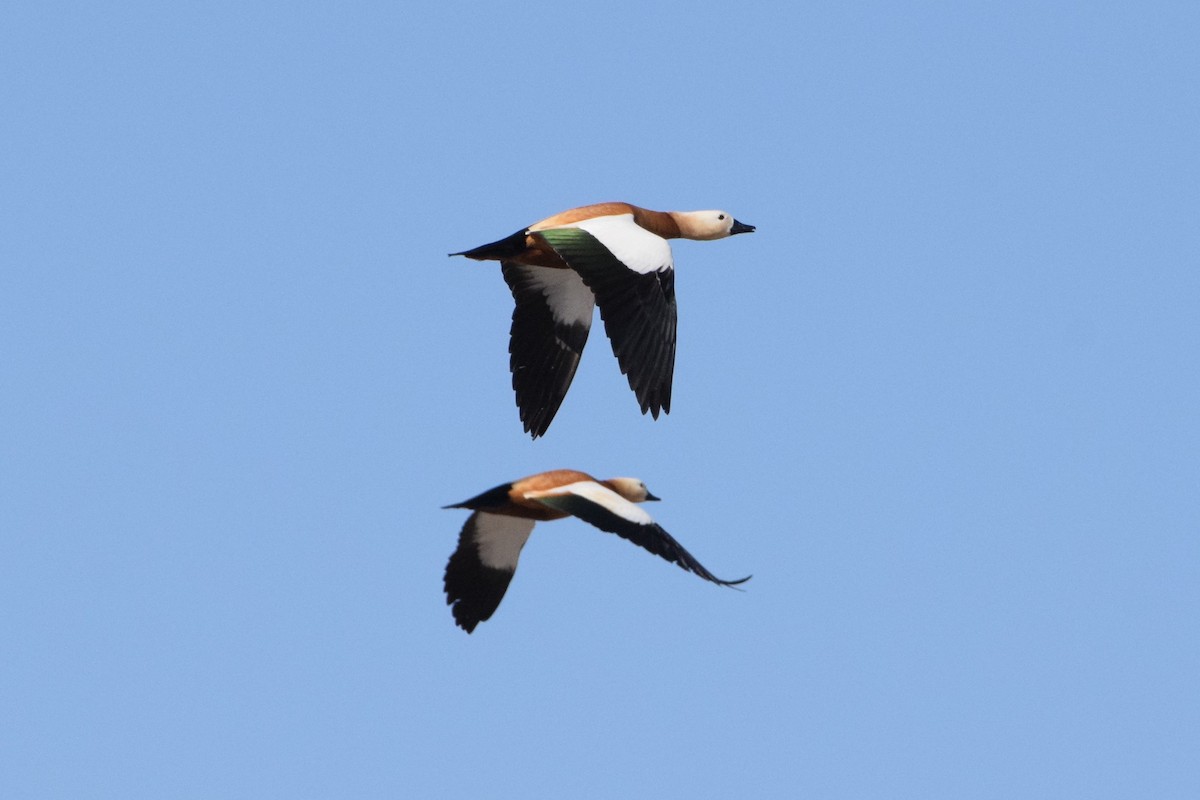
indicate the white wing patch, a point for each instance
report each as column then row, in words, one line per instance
column 569, row 298
column 601, row 496
column 499, row 539
column 633, row 245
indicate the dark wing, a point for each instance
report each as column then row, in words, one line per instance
column 608, row 511
column 479, row 571
column 550, row 325
column 638, row 309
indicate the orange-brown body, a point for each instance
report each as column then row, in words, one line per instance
column 537, row 253
column 511, row 500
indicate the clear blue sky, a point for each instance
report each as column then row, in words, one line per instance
column 943, row 404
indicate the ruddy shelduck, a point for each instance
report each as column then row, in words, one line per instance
column 482, row 566
column 616, row 256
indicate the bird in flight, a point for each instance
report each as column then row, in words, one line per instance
column 482, row 566
column 612, row 255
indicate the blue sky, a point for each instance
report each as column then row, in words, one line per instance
column 942, row 405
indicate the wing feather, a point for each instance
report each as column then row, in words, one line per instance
column 637, row 306
column 550, row 325
column 605, row 509
column 482, row 566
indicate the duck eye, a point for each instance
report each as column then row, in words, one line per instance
column 720, row 216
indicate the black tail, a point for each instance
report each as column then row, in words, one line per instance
column 489, row 499
column 500, row 250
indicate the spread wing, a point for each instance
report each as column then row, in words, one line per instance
column 550, row 325
column 608, row 511
column 631, row 274
column 480, row 569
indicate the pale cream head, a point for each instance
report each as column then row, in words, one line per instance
column 631, row 489
column 705, row 225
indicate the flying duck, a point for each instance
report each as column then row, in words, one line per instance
column 614, row 255
column 482, row 566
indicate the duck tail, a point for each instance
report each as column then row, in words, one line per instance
column 489, row 499
column 499, row 250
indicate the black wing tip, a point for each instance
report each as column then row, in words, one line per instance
column 535, row 425
column 536, row 415
column 469, row 609
column 468, row 624
column 473, row 590
column 654, row 409
column 653, row 401
column 460, row 605
column 733, row 584
column 467, row 612
column 535, row 428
